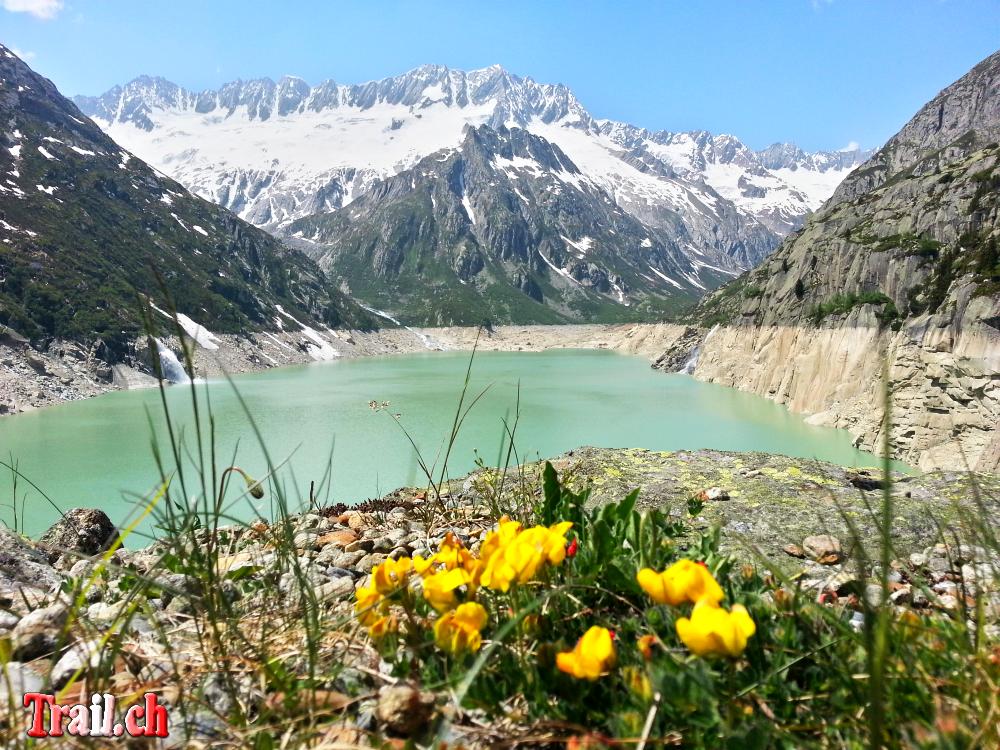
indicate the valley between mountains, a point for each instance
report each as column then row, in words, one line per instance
column 290, row 223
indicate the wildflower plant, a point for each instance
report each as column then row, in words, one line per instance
column 630, row 623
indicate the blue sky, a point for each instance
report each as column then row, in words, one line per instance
column 820, row 73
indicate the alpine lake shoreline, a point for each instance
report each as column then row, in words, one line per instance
column 74, row 596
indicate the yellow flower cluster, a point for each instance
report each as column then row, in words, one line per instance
column 711, row 629
column 509, row 555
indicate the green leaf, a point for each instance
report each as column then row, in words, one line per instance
column 553, row 494
column 626, row 506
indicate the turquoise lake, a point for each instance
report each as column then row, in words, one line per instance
column 312, row 418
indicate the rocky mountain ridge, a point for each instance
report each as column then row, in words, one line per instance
column 728, row 197
column 505, row 228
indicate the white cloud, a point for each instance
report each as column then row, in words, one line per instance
column 818, row 5
column 44, row 9
column 852, row 146
column 24, row 55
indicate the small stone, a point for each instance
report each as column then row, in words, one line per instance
column 398, row 553
column 305, row 540
column 16, row 679
column 713, row 494
column 918, row 559
column 383, row 544
column 38, row 632
column 8, row 620
column 938, row 565
column 397, row 536
column 339, row 538
column 356, row 522
column 311, row 521
column 365, row 545
column 80, row 532
column 80, row 657
column 347, row 559
column 403, row 709
column 947, row 602
column 105, row 614
column 945, row 587
column 823, row 548
column 873, row 594
column 794, row 550
column 335, row 588
column 369, row 561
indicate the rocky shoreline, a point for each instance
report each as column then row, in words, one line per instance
column 946, row 385
column 66, row 371
column 63, row 607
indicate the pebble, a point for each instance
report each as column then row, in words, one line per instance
column 364, row 545
column 369, row 561
column 335, row 588
column 82, row 655
column 823, row 548
column 403, row 709
column 38, row 632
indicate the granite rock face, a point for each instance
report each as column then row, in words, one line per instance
column 902, row 263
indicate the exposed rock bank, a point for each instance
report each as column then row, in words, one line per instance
column 945, row 383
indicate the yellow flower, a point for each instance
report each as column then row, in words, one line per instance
column 423, row 566
column 452, row 553
column 646, row 644
column 495, row 540
column 684, row 581
column 368, row 604
column 555, row 541
column 439, row 589
column 383, row 626
column 458, row 630
column 593, row 655
column 638, row 682
column 713, row 630
column 391, row 575
column 513, row 556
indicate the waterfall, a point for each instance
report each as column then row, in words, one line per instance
column 170, row 366
column 692, row 362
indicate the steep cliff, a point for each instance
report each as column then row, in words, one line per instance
column 903, row 261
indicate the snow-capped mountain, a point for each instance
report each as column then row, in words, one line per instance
column 274, row 152
column 505, row 227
